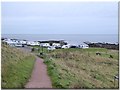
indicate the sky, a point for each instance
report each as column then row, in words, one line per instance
column 59, row 17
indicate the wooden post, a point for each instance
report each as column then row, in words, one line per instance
column 42, row 49
column 114, row 81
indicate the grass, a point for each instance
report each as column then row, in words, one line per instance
column 16, row 67
column 40, row 51
column 40, row 48
column 82, row 68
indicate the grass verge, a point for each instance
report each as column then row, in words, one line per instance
column 16, row 67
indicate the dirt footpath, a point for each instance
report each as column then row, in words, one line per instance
column 39, row 77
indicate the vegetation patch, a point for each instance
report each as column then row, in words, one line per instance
column 82, row 68
column 16, row 67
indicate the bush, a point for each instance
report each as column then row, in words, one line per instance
column 33, row 49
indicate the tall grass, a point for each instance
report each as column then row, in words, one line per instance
column 82, row 68
column 16, row 67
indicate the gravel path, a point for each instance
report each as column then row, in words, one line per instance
column 39, row 77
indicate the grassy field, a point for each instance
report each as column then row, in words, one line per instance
column 82, row 68
column 16, row 67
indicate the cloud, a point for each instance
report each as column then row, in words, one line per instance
column 63, row 17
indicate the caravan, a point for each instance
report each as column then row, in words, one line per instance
column 83, row 46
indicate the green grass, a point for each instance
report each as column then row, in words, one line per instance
column 44, row 50
column 16, row 67
column 82, row 68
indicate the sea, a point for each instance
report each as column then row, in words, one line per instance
column 69, row 38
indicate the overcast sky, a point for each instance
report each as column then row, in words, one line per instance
column 59, row 18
